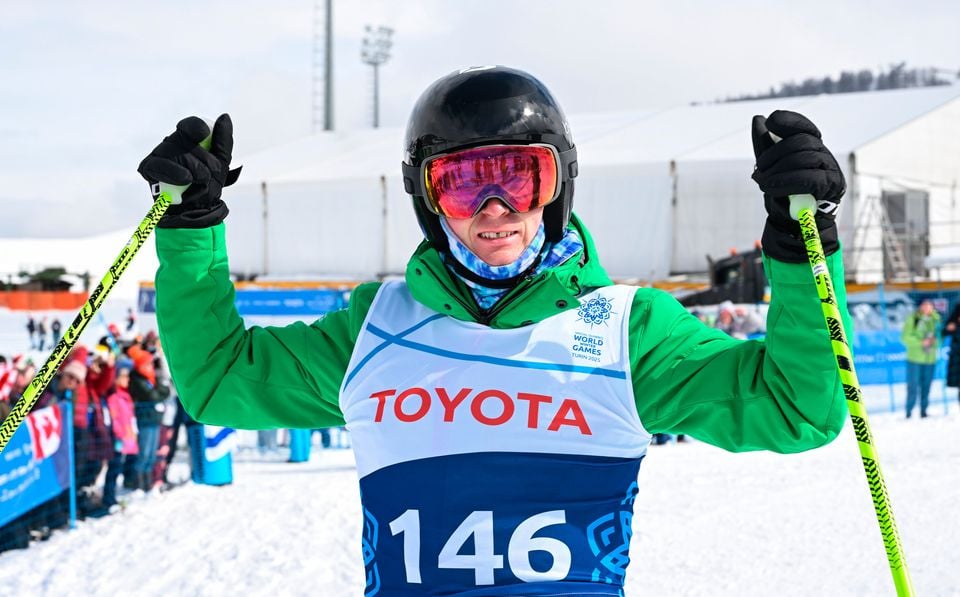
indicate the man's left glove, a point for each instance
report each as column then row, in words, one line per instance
column 798, row 164
column 180, row 160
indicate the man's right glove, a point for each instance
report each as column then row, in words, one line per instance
column 799, row 164
column 180, row 160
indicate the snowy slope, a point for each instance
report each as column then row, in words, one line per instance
column 707, row 523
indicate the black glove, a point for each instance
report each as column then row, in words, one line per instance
column 180, row 160
column 799, row 164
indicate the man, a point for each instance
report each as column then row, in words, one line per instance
column 41, row 333
column 32, row 331
column 55, row 328
column 921, row 337
column 500, row 400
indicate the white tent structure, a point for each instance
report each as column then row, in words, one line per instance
column 659, row 190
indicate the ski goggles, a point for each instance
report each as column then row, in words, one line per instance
column 524, row 177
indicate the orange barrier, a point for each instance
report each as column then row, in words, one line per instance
column 42, row 300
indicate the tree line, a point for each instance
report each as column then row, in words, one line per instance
column 898, row 76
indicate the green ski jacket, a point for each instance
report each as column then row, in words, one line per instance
column 918, row 329
column 781, row 393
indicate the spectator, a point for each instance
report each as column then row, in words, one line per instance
column 181, row 418
column 8, row 373
column 726, row 322
column 25, row 369
column 92, row 440
column 64, row 387
column 151, row 343
column 920, row 336
column 32, row 331
column 55, row 328
column 952, row 329
column 747, row 323
column 148, row 405
column 267, row 441
column 124, row 430
column 162, row 459
column 41, row 333
column 131, row 320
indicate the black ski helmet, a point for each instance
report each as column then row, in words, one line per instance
column 482, row 106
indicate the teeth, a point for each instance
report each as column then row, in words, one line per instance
column 492, row 235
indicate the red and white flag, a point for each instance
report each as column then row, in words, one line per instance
column 8, row 375
column 46, row 427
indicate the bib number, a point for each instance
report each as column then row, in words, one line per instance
column 484, row 560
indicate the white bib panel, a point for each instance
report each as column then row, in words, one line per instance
column 494, row 462
column 421, row 384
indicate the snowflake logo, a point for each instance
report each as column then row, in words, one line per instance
column 595, row 311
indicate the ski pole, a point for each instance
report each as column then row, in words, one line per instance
column 169, row 194
column 803, row 208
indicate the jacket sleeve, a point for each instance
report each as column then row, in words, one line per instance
column 257, row 378
column 781, row 393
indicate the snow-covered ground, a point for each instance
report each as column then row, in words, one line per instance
column 707, row 523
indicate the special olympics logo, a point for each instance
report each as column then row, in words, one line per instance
column 596, row 310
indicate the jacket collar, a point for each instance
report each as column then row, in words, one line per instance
column 533, row 299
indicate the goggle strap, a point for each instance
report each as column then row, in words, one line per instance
column 568, row 164
column 412, row 179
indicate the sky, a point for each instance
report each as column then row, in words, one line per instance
column 706, row 522
column 87, row 89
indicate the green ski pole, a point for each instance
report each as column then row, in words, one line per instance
column 169, row 195
column 803, row 208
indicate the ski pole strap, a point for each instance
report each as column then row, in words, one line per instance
column 851, row 389
column 46, row 372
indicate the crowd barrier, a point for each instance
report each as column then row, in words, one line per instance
column 43, row 466
column 210, row 454
column 37, row 476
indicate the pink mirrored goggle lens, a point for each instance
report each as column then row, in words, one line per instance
column 523, row 176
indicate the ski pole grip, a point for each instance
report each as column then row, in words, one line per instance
column 174, row 192
column 801, row 202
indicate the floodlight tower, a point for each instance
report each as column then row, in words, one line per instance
column 375, row 51
column 322, row 66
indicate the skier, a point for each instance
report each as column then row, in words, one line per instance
column 55, row 327
column 41, row 333
column 501, row 398
column 32, row 331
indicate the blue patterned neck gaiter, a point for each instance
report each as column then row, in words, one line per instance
column 553, row 254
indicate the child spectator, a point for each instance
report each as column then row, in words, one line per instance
column 148, row 404
column 124, row 427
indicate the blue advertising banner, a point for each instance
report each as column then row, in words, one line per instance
column 881, row 358
column 281, row 302
column 35, row 465
column 314, row 301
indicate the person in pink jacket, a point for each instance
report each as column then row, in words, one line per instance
column 124, row 425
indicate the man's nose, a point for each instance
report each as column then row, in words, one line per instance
column 494, row 207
